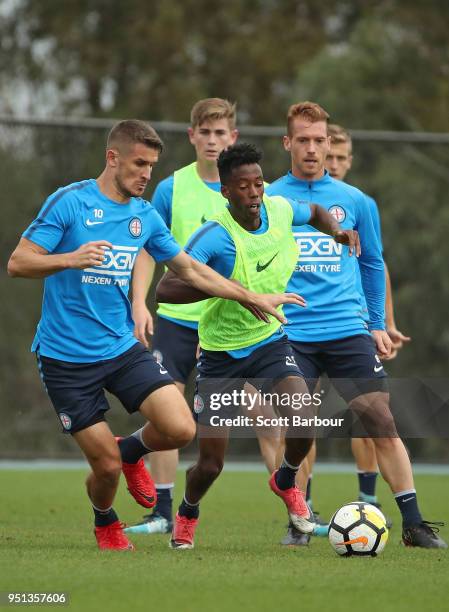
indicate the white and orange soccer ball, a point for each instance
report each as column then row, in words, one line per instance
column 358, row 529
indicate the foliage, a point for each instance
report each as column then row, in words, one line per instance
column 157, row 58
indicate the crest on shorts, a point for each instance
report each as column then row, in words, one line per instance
column 158, row 356
column 135, row 227
column 65, row 420
column 338, row 213
column 198, row 404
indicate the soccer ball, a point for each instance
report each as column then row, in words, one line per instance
column 358, row 529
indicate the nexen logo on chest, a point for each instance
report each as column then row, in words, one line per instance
column 318, row 252
column 115, row 270
column 118, row 260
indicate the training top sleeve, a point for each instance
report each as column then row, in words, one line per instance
column 55, row 217
column 372, row 269
column 375, row 216
column 162, row 199
column 161, row 245
column 301, row 212
column 211, row 244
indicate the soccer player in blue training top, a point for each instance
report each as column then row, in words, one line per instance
column 250, row 242
column 84, row 242
column 333, row 336
column 338, row 163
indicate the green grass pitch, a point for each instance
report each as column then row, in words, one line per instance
column 46, row 544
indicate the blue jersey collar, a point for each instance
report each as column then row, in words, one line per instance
column 325, row 179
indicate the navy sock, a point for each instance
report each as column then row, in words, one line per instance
column 164, row 501
column 132, row 449
column 286, row 474
column 408, row 505
column 367, row 486
column 190, row 511
column 309, row 492
column 104, row 517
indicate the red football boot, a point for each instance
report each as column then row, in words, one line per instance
column 298, row 510
column 183, row 532
column 139, row 481
column 112, row 537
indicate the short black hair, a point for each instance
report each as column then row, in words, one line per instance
column 237, row 155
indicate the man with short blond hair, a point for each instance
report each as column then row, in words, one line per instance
column 213, row 109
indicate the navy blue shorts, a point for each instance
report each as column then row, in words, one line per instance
column 220, row 374
column 351, row 363
column 77, row 389
column 175, row 347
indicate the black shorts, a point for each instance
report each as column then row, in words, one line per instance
column 220, row 374
column 77, row 389
column 352, row 364
column 175, row 347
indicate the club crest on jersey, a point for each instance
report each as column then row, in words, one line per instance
column 65, row 420
column 338, row 213
column 135, row 227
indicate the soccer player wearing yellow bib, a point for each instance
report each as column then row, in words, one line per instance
column 250, row 242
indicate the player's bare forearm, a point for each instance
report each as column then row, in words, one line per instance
column 205, row 279
column 324, row 222
column 143, row 273
column 173, row 290
column 211, row 283
column 35, row 267
column 30, row 260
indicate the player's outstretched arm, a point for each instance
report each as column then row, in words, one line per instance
column 29, row 260
column 212, row 284
column 324, row 222
column 143, row 273
column 174, row 290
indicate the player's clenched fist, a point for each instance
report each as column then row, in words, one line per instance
column 89, row 254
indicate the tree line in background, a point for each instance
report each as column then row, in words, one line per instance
column 382, row 66
column 377, row 65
